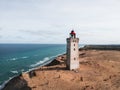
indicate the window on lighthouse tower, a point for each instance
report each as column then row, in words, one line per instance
column 74, row 58
column 74, row 44
column 74, row 49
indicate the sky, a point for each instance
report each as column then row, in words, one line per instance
column 50, row 21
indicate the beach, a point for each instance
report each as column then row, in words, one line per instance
column 18, row 58
column 99, row 70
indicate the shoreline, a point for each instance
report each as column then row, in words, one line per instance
column 32, row 69
column 40, row 68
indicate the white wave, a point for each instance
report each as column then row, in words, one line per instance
column 3, row 85
column 13, row 59
column 53, row 57
column 40, row 62
column 24, row 57
column 10, row 78
column 14, row 72
column 0, row 87
column 56, row 55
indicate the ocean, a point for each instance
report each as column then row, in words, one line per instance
column 18, row 58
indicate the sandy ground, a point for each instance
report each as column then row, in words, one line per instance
column 99, row 70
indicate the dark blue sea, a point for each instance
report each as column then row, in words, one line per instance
column 17, row 58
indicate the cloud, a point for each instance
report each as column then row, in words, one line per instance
column 42, row 32
column 48, row 21
column 19, row 37
column 0, row 29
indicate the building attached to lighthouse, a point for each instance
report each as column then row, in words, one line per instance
column 72, row 62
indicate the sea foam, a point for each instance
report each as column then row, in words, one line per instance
column 40, row 62
column 44, row 61
column 13, row 59
column 24, row 57
column 14, row 72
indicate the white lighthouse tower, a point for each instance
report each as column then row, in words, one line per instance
column 72, row 62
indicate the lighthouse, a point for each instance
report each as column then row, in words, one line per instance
column 72, row 62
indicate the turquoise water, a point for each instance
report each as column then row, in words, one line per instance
column 17, row 58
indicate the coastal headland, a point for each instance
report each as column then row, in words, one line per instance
column 99, row 70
